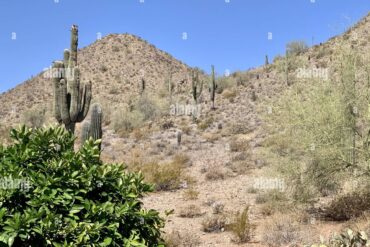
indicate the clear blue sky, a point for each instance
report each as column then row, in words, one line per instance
column 232, row 36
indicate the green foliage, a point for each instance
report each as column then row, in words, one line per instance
column 319, row 130
column 72, row 198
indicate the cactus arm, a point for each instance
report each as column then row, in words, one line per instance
column 85, row 101
column 74, row 44
column 85, row 132
column 64, row 102
column 66, row 56
column 56, row 68
column 96, row 122
column 74, row 90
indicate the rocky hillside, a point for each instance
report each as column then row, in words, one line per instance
column 212, row 174
column 115, row 65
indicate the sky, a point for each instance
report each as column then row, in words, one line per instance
column 231, row 34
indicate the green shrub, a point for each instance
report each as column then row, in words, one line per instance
column 60, row 197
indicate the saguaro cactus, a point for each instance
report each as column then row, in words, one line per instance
column 213, row 87
column 71, row 98
column 197, row 86
column 93, row 128
column 178, row 135
column 142, row 85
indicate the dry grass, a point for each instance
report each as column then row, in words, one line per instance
column 282, row 230
column 215, row 174
column 182, row 239
column 191, row 194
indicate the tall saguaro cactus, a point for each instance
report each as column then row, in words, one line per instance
column 213, row 87
column 197, row 86
column 93, row 128
column 71, row 98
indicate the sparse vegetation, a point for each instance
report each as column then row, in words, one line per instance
column 241, row 226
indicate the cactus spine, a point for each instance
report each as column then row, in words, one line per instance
column 71, row 98
column 213, row 87
column 93, row 128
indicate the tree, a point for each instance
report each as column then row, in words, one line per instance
column 55, row 196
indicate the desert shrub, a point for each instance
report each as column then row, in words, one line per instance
column 215, row 174
column 321, row 147
column 151, row 107
column 190, row 211
column 282, row 230
column 229, row 94
column 214, row 223
column 125, row 121
column 182, row 239
column 296, row 47
column 239, row 128
column 206, row 123
column 238, row 145
column 34, row 118
column 272, row 202
column 351, row 205
column 191, row 194
column 165, row 177
column 241, row 226
column 225, row 82
column 181, row 159
column 60, row 197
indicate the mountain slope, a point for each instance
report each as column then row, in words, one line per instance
column 115, row 65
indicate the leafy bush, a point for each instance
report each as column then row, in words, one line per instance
column 55, row 196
